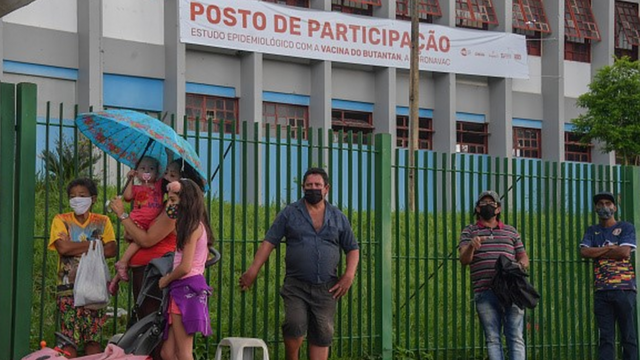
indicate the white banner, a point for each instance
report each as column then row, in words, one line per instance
column 274, row 29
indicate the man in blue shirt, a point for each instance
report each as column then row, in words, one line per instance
column 315, row 232
column 610, row 244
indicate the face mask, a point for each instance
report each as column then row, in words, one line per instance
column 313, row 196
column 172, row 211
column 604, row 213
column 487, row 212
column 146, row 176
column 80, row 205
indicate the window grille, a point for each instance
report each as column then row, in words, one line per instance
column 219, row 110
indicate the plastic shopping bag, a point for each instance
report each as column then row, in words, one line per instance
column 90, row 288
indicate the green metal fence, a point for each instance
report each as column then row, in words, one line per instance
column 411, row 296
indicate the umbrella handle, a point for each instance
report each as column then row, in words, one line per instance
column 218, row 168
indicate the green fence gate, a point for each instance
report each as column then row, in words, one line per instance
column 411, row 297
column 17, row 157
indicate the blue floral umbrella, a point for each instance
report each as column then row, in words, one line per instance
column 128, row 135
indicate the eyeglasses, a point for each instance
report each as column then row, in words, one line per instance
column 492, row 203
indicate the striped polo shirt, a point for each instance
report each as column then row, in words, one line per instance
column 501, row 240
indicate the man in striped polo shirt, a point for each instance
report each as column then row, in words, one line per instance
column 480, row 246
column 610, row 243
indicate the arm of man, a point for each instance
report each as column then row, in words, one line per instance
column 66, row 247
column 523, row 260
column 467, row 251
column 619, row 252
column 594, row 252
column 247, row 279
column 343, row 285
column 110, row 249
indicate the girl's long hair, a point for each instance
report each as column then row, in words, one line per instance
column 191, row 212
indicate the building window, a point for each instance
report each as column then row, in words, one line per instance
column 358, row 7
column 576, row 49
column 534, row 41
column 347, row 120
column 527, row 142
column 298, row 3
column 627, row 30
column 425, row 132
column 529, row 19
column 580, row 27
column 203, row 108
column 154, row 114
column 575, row 149
column 471, row 138
column 296, row 116
column 427, row 9
column 475, row 14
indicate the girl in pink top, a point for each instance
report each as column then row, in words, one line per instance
column 188, row 312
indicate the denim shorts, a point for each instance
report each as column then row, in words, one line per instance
column 309, row 310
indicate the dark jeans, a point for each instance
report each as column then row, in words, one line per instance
column 616, row 306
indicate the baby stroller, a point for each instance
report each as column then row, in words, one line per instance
column 143, row 335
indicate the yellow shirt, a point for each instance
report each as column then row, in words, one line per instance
column 96, row 227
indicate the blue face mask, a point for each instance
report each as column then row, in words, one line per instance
column 605, row 213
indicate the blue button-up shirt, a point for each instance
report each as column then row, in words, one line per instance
column 312, row 256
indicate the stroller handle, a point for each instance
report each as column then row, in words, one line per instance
column 215, row 257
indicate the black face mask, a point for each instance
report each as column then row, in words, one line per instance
column 313, row 196
column 487, row 212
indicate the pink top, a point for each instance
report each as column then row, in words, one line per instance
column 146, row 204
column 199, row 258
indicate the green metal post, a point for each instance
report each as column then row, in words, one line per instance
column 632, row 214
column 24, row 199
column 383, row 245
column 7, row 151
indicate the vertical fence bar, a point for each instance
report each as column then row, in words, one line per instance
column 464, row 189
column 46, row 224
column 563, row 260
column 244, row 193
column 632, row 210
column 7, row 148
column 403, row 256
column 24, row 196
column 256, row 213
column 371, row 245
column 267, row 223
column 425, row 255
column 429, row 307
column 537, row 264
column 396, row 256
column 528, row 234
column 359, row 236
column 546, row 265
column 383, row 245
column 278, row 201
column 472, row 194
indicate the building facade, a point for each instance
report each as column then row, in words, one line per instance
column 128, row 54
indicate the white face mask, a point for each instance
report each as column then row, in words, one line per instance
column 80, row 205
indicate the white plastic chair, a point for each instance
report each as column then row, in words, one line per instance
column 242, row 348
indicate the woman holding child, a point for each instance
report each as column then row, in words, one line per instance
column 158, row 239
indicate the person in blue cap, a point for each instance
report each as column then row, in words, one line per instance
column 610, row 244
